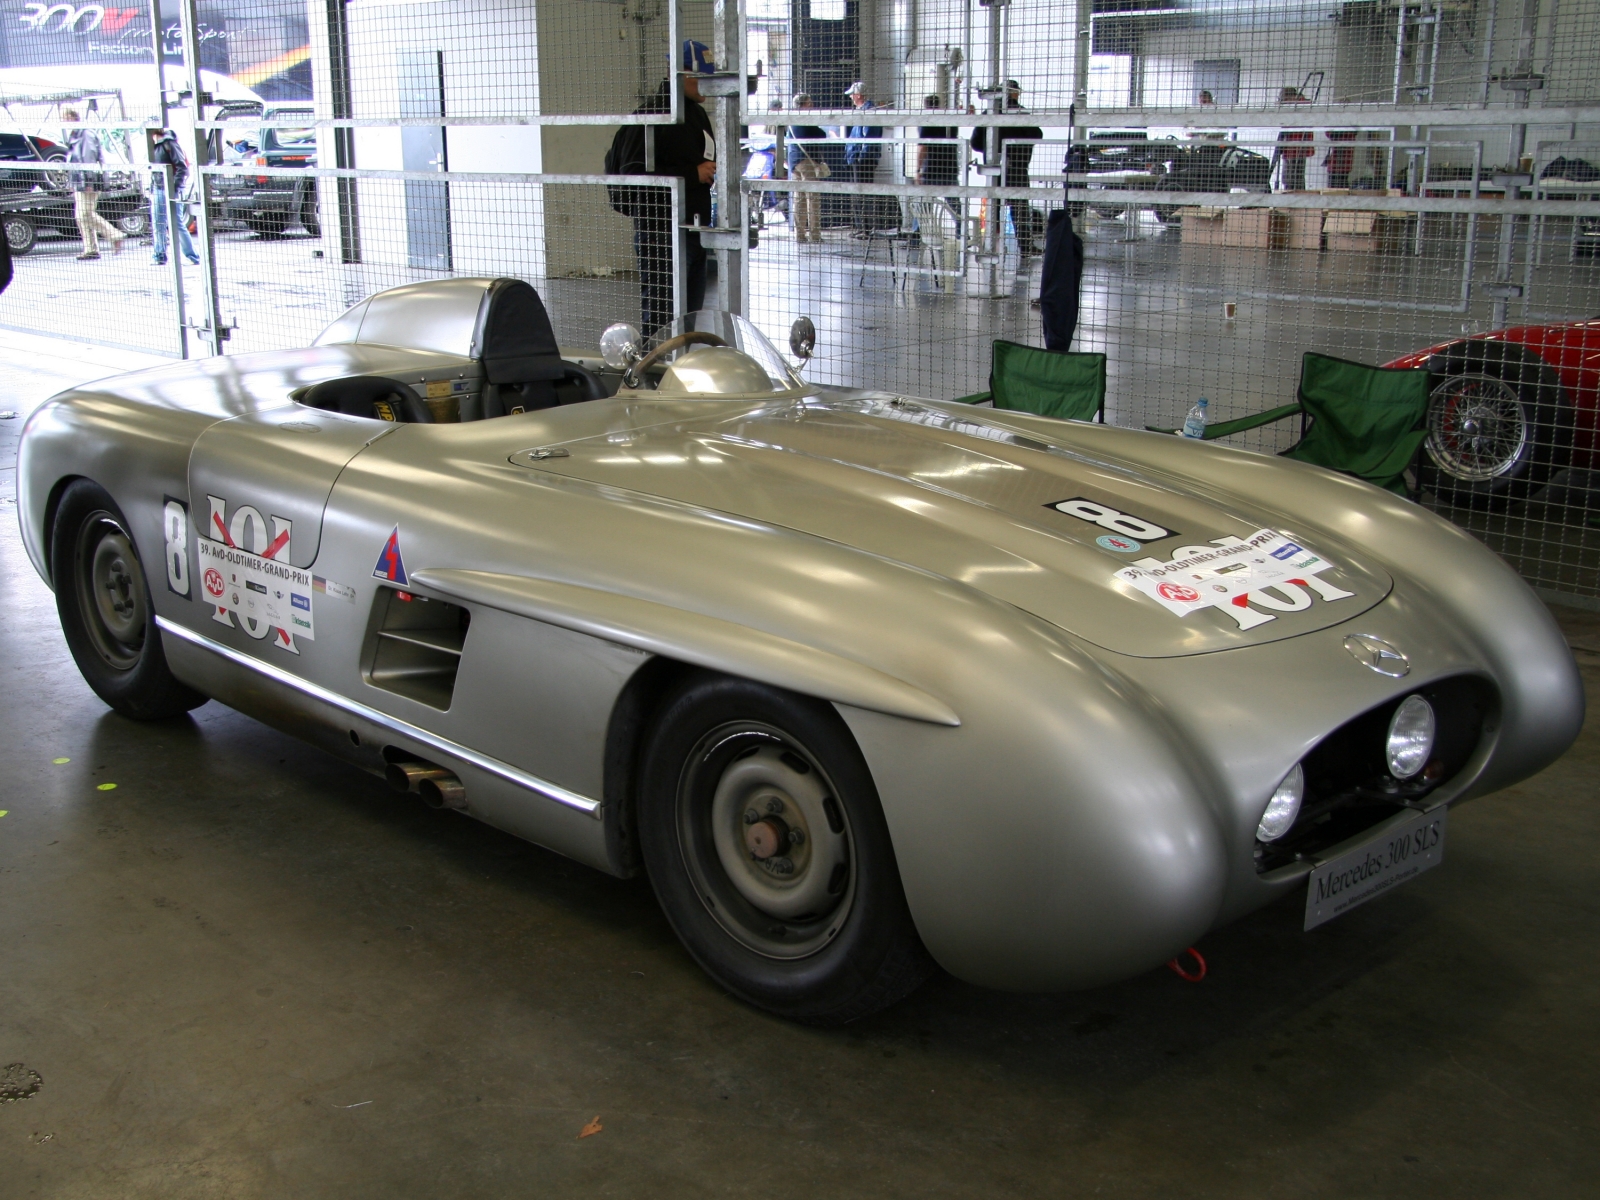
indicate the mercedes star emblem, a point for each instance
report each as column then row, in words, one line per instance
column 1378, row 655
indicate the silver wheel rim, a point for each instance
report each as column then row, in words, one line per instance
column 1477, row 429
column 766, row 842
column 111, row 587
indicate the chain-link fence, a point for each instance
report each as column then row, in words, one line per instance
column 1253, row 180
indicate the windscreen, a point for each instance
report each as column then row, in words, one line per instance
column 739, row 334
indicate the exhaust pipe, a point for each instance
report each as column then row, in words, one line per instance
column 409, row 776
column 443, row 791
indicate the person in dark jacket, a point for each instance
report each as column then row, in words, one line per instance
column 937, row 166
column 687, row 150
column 165, row 152
column 861, row 157
column 803, row 154
column 1018, row 160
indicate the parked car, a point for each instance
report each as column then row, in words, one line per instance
column 862, row 682
column 1510, row 408
column 1212, row 167
column 21, row 147
column 270, row 204
column 1131, row 162
column 28, row 216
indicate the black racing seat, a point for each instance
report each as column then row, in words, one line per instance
column 371, row 396
column 522, row 365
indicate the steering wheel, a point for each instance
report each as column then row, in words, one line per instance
column 691, row 338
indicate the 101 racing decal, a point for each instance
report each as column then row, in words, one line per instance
column 1238, row 576
column 245, row 572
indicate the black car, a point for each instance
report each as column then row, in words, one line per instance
column 21, row 147
column 1213, row 167
column 28, row 215
column 269, row 204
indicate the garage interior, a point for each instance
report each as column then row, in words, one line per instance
column 247, row 969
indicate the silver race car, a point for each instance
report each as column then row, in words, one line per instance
column 864, row 682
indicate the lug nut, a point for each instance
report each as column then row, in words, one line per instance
column 796, row 837
column 774, row 806
column 751, row 816
column 783, row 866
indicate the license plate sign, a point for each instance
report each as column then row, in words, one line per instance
column 1382, row 863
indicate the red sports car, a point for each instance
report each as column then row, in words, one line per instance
column 1511, row 407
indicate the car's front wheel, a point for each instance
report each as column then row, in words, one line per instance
column 103, row 598
column 767, row 848
column 1497, row 428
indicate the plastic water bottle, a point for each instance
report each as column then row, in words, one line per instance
column 1194, row 425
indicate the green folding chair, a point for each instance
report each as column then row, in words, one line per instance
column 1050, row 383
column 1364, row 421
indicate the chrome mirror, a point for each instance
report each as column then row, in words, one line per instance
column 803, row 339
column 621, row 345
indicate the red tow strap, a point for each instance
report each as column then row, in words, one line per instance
column 1194, row 976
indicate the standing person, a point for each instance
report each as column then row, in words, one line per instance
column 861, row 158
column 83, row 146
column 800, row 153
column 687, row 150
column 938, row 166
column 1018, row 160
column 165, row 151
column 1293, row 147
column 1341, row 159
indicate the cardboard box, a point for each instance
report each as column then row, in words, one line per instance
column 1242, row 228
column 1370, row 232
column 1297, row 228
column 1351, row 232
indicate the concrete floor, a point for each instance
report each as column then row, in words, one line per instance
column 250, row 971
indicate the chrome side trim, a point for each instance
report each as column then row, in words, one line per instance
column 550, row 791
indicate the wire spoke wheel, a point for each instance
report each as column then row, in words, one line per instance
column 765, row 840
column 1478, row 429
column 111, row 591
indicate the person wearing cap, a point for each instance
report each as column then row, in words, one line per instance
column 83, row 146
column 1018, row 159
column 802, row 153
column 687, row 150
column 861, row 157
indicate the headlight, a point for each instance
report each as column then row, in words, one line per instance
column 1284, row 806
column 1410, row 742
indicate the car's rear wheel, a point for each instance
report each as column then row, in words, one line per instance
column 20, row 233
column 1498, row 427
column 56, row 181
column 103, row 598
column 310, row 216
column 767, row 848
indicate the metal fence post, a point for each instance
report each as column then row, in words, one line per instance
column 200, row 156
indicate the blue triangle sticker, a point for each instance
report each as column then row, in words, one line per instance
column 390, row 566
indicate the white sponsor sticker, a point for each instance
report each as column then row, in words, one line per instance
column 1266, row 569
column 262, row 592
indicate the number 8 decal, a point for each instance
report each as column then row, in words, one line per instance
column 175, row 528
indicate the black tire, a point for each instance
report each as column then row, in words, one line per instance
column 20, row 233
column 267, row 224
column 1499, row 425
column 310, row 217
column 817, row 931
column 135, row 222
column 113, row 637
column 56, row 181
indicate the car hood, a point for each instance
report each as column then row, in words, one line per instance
column 1041, row 525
